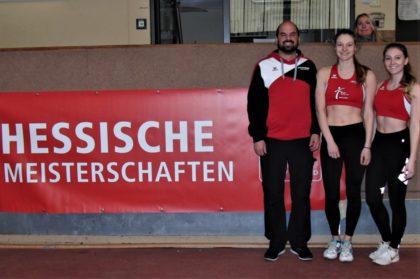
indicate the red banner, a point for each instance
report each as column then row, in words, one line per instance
column 130, row 151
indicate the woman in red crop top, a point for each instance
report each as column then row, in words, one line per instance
column 394, row 150
column 344, row 103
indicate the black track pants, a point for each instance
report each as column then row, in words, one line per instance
column 297, row 155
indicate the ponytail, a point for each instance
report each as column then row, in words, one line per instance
column 361, row 71
column 408, row 79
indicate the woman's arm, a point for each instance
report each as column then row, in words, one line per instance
column 414, row 130
column 321, row 111
column 368, row 116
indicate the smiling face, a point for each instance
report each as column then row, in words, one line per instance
column 394, row 61
column 364, row 26
column 287, row 38
column 345, row 47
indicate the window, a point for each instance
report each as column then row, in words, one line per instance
column 317, row 19
column 224, row 21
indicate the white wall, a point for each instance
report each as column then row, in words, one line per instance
column 43, row 23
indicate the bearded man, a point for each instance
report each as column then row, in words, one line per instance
column 285, row 133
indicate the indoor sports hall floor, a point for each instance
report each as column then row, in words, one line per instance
column 126, row 263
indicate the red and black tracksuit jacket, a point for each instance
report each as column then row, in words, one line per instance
column 281, row 98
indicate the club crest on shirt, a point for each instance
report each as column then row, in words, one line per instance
column 340, row 93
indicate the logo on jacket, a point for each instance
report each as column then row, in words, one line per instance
column 340, row 94
column 275, row 69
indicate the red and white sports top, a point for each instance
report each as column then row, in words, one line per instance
column 346, row 92
column 392, row 103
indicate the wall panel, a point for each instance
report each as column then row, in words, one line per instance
column 172, row 66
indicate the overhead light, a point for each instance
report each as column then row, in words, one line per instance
column 190, row 9
column 270, row 1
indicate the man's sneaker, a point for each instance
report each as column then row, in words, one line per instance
column 334, row 248
column 346, row 254
column 272, row 254
column 388, row 257
column 382, row 247
column 303, row 253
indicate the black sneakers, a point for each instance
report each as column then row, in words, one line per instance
column 303, row 253
column 272, row 254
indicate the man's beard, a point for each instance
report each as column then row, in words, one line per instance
column 288, row 49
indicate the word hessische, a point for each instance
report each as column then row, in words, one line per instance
column 86, row 143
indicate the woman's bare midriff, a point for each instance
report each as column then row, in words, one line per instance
column 339, row 115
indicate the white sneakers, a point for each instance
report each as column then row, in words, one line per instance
column 385, row 254
column 346, row 254
column 334, row 248
column 342, row 250
column 382, row 247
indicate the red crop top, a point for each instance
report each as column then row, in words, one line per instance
column 392, row 103
column 346, row 92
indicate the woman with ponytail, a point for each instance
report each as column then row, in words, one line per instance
column 394, row 150
column 344, row 103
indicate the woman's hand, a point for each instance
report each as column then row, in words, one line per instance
column 333, row 150
column 365, row 156
column 409, row 169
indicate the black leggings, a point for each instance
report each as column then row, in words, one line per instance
column 389, row 152
column 350, row 140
